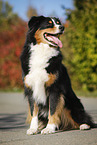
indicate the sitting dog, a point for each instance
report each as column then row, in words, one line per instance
column 53, row 104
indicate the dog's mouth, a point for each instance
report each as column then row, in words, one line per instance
column 53, row 39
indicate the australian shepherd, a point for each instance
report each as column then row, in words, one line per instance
column 52, row 102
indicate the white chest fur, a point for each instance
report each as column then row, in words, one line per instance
column 40, row 55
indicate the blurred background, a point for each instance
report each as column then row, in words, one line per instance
column 79, row 39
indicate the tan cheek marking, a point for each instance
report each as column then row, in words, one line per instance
column 39, row 34
column 55, row 118
column 52, row 78
column 39, row 37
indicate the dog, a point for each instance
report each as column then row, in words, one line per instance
column 52, row 102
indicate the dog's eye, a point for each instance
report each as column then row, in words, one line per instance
column 50, row 22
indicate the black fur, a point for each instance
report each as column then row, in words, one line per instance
column 61, row 86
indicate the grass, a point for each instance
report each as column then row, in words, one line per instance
column 82, row 93
column 14, row 90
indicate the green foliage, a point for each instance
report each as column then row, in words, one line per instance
column 7, row 17
column 79, row 45
column 82, row 38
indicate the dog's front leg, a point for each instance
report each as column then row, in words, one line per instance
column 34, row 121
column 55, row 110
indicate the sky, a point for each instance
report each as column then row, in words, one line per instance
column 43, row 7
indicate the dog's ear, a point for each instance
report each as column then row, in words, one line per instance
column 35, row 20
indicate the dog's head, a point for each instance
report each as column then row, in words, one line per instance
column 46, row 30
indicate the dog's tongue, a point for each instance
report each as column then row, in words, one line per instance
column 56, row 41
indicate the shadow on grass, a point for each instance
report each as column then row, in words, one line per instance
column 12, row 121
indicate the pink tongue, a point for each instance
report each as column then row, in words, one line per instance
column 56, row 40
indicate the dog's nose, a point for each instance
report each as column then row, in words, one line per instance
column 61, row 28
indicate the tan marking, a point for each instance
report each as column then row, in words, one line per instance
column 52, row 78
column 50, row 22
column 35, row 112
column 29, row 117
column 55, row 118
column 26, row 84
column 39, row 35
column 57, row 22
column 67, row 120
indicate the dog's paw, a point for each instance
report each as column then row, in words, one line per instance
column 31, row 131
column 49, row 129
column 84, row 127
column 33, row 126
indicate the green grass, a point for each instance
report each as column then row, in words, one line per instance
column 81, row 93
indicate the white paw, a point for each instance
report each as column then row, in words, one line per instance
column 33, row 126
column 31, row 131
column 84, row 127
column 49, row 129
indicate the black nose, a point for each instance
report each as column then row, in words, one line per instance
column 61, row 28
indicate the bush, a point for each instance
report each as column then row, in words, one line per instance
column 81, row 39
column 11, row 44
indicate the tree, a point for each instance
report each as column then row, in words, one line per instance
column 6, row 13
column 12, row 37
column 82, row 38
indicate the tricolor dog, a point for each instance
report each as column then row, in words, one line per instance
column 52, row 102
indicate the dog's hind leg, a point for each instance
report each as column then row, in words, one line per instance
column 78, row 113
